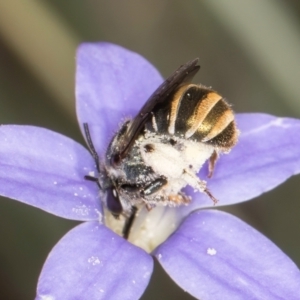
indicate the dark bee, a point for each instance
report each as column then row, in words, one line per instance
column 159, row 152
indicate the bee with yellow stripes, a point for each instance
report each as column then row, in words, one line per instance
column 160, row 151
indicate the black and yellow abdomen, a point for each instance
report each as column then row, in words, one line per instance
column 197, row 113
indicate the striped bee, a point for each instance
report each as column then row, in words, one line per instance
column 160, row 151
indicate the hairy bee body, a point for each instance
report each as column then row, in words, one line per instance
column 159, row 152
column 182, row 133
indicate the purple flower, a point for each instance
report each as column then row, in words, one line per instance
column 211, row 255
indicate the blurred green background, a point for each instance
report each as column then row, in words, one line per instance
column 249, row 51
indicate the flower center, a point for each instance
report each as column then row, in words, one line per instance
column 150, row 228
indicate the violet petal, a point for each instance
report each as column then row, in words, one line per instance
column 214, row 255
column 46, row 170
column 267, row 154
column 112, row 83
column 91, row 262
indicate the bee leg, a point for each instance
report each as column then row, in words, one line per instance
column 211, row 164
column 186, row 199
column 93, row 179
column 208, row 193
column 90, row 178
column 128, row 223
column 154, row 186
column 179, row 198
column 199, row 185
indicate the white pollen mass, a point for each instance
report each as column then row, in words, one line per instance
column 94, row 260
column 92, row 174
column 211, row 251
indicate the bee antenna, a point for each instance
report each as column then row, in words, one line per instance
column 91, row 145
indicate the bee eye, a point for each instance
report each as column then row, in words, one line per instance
column 113, row 202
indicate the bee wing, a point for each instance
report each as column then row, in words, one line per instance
column 182, row 75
